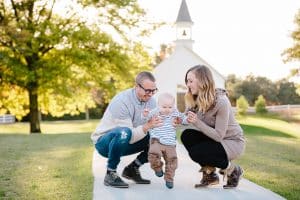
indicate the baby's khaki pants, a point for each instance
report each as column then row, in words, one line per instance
column 158, row 150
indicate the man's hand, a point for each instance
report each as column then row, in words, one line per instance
column 155, row 121
column 146, row 112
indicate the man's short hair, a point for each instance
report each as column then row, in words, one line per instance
column 143, row 76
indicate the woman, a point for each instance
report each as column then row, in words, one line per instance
column 217, row 138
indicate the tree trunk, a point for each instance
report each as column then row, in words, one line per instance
column 87, row 114
column 34, row 112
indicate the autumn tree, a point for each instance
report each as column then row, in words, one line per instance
column 165, row 51
column 51, row 58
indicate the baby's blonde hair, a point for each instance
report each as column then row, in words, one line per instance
column 164, row 96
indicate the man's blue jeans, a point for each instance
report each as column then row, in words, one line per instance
column 115, row 143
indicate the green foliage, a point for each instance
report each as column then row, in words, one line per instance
column 242, row 105
column 287, row 93
column 260, row 105
column 293, row 53
column 252, row 87
column 231, row 82
column 13, row 101
column 280, row 92
column 54, row 61
column 298, row 89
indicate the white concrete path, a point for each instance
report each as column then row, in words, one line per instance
column 186, row 176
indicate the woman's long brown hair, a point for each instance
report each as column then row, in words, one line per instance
column 206, row 95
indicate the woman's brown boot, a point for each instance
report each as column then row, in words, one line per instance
column 209, row 177
column 234, row 173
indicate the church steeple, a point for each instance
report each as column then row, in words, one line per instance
column 184, row 25
column 183, row 14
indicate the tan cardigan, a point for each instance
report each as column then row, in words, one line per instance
column 219, row 124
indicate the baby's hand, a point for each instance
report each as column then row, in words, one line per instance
column 146, row 112
column 177, row 121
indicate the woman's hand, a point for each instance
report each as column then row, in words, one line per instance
column 191, row 117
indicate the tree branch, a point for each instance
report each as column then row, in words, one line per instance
column 43, row 50
column 50, row 13
column 15, row 10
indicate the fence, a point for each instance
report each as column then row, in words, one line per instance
column 6, row 119
column 282, row 109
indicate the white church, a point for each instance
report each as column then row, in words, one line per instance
column 170, row 72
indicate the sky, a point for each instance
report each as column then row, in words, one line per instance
column 238, row 37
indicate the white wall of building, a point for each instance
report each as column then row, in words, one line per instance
column 171, row 72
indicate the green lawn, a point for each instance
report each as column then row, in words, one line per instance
column 57, row 163
column 53, row 165
column 272, row 157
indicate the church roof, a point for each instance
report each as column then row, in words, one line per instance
column 183, row 14
column 195, row 58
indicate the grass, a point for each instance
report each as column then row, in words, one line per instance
column 57, row 163
column 271, row 158
column 52, row 165
column 272, row 154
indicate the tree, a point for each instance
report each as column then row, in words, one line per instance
column 251, row 87
column 287, row 93
column 260, row 105
column 242, row 105
column 231, row 83
column 293, row 53
column 53, row 61
column 165, row 51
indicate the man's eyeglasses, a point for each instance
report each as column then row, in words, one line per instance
column 148, row 91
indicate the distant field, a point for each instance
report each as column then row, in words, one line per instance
column 72, row 126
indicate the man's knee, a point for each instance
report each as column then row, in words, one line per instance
column 124, row 135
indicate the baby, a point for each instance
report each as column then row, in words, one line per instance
column 163, row 138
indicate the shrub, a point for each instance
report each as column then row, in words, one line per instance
column 242, row 105
column 260, row 105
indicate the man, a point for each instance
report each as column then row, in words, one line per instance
column 123, row 132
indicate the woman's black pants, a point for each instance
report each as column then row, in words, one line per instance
column 204, row 150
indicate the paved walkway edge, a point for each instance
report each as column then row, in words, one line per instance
column 186, row 176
